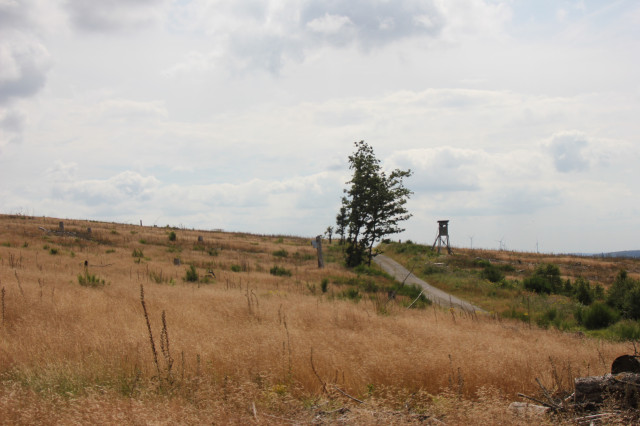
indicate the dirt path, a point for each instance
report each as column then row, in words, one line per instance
column 434, row 294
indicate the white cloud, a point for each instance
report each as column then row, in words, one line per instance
column 329, row 24
column 567, row 150
column 114, row 15
column 123, row 188
column 155, row 109
column 24, row 63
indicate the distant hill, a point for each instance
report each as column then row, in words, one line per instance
column 627, row 253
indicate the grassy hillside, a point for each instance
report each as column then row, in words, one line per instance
column 505, row 284
column 270, row 339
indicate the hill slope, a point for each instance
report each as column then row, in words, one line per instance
column 125, row 323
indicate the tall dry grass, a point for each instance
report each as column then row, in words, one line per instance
column 248, row 345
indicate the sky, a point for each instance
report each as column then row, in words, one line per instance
column 518, row 118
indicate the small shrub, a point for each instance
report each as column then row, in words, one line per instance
column 597, row 316
column 627, row 330
column 236, row 268
column 492, row 273
column 53, row 251
column 281, row 253
column 192, row 274
column 324, row 284
column 351, row 294
column 172, row 236
column 537, row 284
column 280, row 271
column 137, row 253
column 88, row 280
column 483, row 263
column 583, row 292
column 142, row 241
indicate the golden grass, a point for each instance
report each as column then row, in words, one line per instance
column 241, row 347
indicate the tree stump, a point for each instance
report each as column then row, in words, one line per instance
column 623, row 387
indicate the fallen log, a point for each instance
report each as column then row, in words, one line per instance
column 623, row 387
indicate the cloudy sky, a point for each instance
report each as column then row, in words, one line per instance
column 519, row 118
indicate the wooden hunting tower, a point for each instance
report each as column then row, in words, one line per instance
column 443, row 236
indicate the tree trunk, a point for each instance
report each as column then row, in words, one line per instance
column 596, row 389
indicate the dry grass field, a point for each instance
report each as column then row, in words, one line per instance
column 77, row 345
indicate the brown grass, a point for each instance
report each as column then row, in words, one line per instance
column 238, row 350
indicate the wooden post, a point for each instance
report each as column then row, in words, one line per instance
column 318, row 245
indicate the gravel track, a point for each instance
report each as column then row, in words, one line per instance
column 436, row 295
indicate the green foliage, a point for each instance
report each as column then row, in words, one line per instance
column 624, row 295
column 545, row 279
column 408, row 247
column 303, row 256
column 350, row 293
column 280, row 271
column 324, row 284
column 88, row 280
column 236, row 268
column 137, row 253
column 142, row 241
column 547, row 317
column 583, row 292
column 596, row 316
column 411, row 291
column 53, row 251
column 626, row 330
column 373, row 206
column 192, row 274
column 281, row 253
column 492, row 273
column 363, row 269
column 172, row 236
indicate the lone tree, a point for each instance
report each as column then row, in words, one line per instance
column 329, row 233
column 373, row 205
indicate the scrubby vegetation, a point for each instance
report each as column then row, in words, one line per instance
column 537, row 290
column 151, row 347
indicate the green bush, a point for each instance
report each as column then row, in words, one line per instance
column 624, row 295
column 492, row 273
column 137, row 253
column 236, row 268
column 626, row 330
column 324, row 284
column 88, row 280
column 537, row 284
column 583, row 291
column 351, row 294
column 192, row 274
column 545, row 279
column 172, row 236
column 597, row 316
column 281, row 253
column 280, row 271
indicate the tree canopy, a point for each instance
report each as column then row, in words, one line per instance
column 373, row 204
